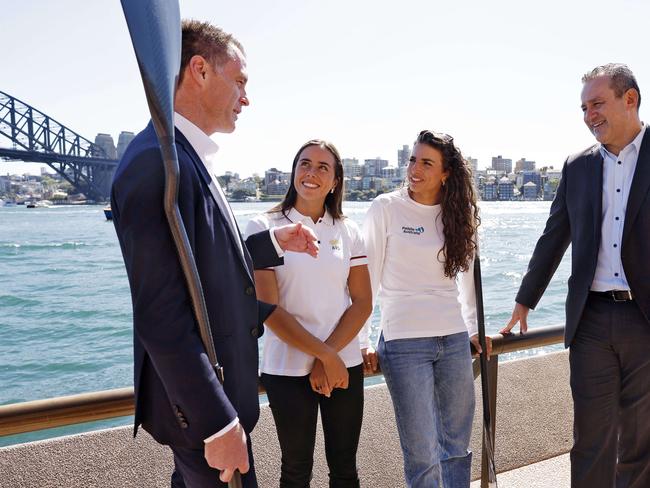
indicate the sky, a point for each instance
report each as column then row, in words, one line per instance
column 502, row 77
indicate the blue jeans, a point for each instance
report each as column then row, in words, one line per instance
column 432, row 387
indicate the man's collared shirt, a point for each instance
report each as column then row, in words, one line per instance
column 618, row 172
column 207, row 150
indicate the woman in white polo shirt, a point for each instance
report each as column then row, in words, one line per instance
column 421, row 242
column 330, row 296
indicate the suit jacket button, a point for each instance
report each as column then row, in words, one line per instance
column 184, row 424
column 249, row 290
column 255, row 332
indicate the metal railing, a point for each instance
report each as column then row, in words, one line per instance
column 24, row 417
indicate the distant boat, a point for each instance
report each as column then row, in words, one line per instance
column 108, row 212
column 30, row 204
column 43, row 204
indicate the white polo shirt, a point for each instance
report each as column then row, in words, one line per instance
column 313, row 290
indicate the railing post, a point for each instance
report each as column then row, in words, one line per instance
column 493, row 373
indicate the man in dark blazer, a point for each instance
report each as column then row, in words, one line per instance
column 602, row 208
column 179, row 399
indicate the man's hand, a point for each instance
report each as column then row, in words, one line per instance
column 297, row 238
column 228, row 453
column 318, row 379
column 370, row 361
column 519, row 314
column 477, row 344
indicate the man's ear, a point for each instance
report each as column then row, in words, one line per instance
column 196, row 68
column 631, row 98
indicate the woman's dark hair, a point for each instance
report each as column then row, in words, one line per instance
column 460, row 216
column 333, row 201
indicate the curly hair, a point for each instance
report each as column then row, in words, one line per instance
column 460, row 216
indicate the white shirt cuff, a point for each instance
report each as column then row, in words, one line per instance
column 277, row 247
column 223, row 431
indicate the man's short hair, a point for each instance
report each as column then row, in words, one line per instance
column 206, row 40
column 621, row 78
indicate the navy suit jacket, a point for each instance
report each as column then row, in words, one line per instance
column 576, row 219
column 179, row 399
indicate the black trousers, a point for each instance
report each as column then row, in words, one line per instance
column 295, row 410
column 610, row 383
column 192, row 470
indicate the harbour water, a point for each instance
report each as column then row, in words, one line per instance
column 65, row 310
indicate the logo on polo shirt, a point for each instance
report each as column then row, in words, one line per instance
column 336, row 245
column 413, row 230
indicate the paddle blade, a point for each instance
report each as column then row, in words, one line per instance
column 155, row 29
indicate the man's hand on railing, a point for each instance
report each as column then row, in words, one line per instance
column 519, row 314
column 477, row 345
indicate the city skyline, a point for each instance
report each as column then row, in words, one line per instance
column 503, row 80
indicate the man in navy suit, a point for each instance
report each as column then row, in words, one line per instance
column 602, row 208
column 179, row 399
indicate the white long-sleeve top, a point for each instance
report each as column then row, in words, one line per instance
column 403, row 240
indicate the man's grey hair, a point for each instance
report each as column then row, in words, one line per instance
column 621, row 78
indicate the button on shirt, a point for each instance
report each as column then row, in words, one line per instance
column 618, row 172
column 313, row 290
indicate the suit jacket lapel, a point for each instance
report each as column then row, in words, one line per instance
column 640, row 185
column 220, row 201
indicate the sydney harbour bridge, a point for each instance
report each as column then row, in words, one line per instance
column 36, row 137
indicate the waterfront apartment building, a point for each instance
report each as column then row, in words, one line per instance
column 506, row 189
column 530, row 191
column 373, row 167
column 351, row 167
column 501, row 164
column 403, row 156
column 473, row 164
column 5, row 184
column 276, row 182
column 524, row 165
column 490, row 190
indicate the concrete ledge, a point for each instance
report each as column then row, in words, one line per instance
column 534, row 419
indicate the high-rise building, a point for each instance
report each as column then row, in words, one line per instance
column 373, row 167
column 123, row 141
column 473, row 164
column 403, row 156
column 351, row 167
column 105, row 141
column 502, row 165
column 524, row 165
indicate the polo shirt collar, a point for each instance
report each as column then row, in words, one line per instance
column 295, row 217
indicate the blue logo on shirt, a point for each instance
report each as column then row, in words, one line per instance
column 410, row 230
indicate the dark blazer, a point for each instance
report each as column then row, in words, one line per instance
column 179, row 399
column 576, row 218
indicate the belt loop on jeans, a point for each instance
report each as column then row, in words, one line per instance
column 615, row 295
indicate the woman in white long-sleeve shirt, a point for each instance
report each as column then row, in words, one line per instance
column 421, row 242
